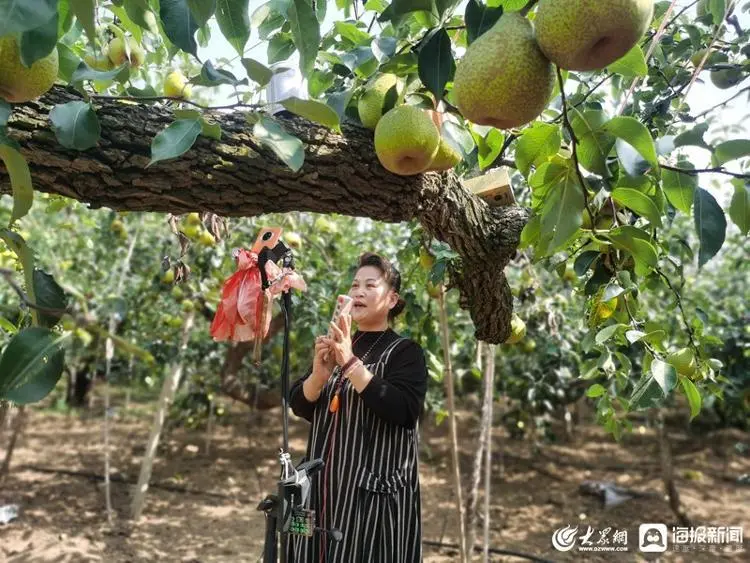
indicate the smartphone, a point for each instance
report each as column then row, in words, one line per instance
column 343, row 306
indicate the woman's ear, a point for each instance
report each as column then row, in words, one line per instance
column 392, row 299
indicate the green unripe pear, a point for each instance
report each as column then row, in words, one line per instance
column 517, row 330
column 726, row 78
column 446, row 157
column 406, row 140
column 504, row 80
column 370, row 105
column 18, row 83
column 119, row 56
column 683, row 360
column 590, row 34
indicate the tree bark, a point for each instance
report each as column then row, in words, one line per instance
column 238, row 177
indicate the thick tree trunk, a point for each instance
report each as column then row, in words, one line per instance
column 238, row 177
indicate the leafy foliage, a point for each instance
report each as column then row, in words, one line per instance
column 632, row 190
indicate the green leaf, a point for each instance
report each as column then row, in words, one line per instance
column 175, row 140
column 69, row 62
column 647, row 394
column 635, row 134
column 234, row 22
column 694, row 137
column 383, row 47
column 17, row 16
column 479, row 18
column 288, row 148
column 739, row 208
column 665, row 375
column 596, row 390
column 536, row 144
column 639, row 202
column 637, row 243
column 594, row 144
column 258, row 72
column 710, row 224
column 202, row 10
column 679, row 189
column 313, row 110
column 584, row 261
column 20, row 179
column 305, row 33
column 37, row 43
column 5, row 111
column 84, row 72
column 436, row 64
column 212, row 76
column 608, row 332
column 488, row 147
column 76, row 125
column 562, row 211
column 31, row 365
column 84, row 11
column 693, row 396
column 401, row 7
column 633, row 63
column 352, row 33
column 139, row 11
column 731, row 150
column 611, row 291
column 179, row 24
column 50, row 295
column 280, row 48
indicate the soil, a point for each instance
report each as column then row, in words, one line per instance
column 211, row 515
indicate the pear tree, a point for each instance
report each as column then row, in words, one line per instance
column 179, row 107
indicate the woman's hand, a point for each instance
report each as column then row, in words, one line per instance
column 341, row 341
column 323, row 361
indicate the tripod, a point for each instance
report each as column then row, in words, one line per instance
column 284, row 511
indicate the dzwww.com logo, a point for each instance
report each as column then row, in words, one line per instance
column 592, row 539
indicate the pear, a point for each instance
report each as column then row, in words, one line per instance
column 20, row 84
column 119, row 56
column 371, row 103
column 504, row 80
column 726, row 77
column 446, row 157
column 406, row 140
column 590, row 34
column 177, row 86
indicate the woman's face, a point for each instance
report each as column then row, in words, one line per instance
column 373, row 298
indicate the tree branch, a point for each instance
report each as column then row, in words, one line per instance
column 717, row 170
column 240, row 177
column 574, row 142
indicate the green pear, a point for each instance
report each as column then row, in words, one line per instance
column 446, row 157
column 504, row 80
column 406, row 140
column 590, row 34
column 371, row 103
column 726, row 77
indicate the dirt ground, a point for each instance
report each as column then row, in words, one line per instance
column 214, row 518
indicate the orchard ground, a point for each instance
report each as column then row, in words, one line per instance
column 63, row 518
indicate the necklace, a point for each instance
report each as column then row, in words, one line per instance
column 335, row 401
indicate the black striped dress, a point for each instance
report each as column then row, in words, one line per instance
column 369, row 487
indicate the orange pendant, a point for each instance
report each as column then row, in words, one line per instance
column 334, row 403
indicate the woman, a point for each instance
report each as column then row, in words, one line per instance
column 363, row 397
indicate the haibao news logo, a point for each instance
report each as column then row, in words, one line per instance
column 652, row 538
